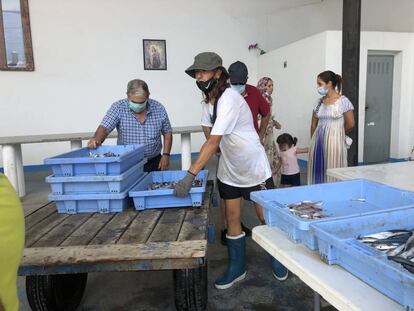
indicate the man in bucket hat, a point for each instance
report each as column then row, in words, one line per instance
column 243, row 165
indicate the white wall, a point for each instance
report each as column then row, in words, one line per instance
column 295, row 86
column 300, row 19
column 295, row 93
column 86, row 51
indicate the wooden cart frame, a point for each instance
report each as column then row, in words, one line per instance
column 61, row 249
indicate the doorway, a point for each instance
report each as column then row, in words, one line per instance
column 378, row 108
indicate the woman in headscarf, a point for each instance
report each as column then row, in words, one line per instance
column 265, row 85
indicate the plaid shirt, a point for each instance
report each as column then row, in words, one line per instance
column 131, row 131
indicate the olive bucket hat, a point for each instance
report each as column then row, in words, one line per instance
column 206, row 61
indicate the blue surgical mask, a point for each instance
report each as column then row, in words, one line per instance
column 137, row 107
column 240, row 88
column 322, row 91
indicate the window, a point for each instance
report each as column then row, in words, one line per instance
column 16, row 53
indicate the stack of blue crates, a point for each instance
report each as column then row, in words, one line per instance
column 352, row 208
column 84, row 183
column 340, row 199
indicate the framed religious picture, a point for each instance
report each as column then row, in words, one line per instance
column 155, row 54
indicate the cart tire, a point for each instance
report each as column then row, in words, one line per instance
column 190, row 287
column 61, row 292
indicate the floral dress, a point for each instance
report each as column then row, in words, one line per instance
column 328, row 147
column 270, row 146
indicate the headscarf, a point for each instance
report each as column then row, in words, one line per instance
column 261, row 85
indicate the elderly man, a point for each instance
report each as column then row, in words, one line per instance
column 139, row 120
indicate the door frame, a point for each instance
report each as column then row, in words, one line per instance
column 396, row 101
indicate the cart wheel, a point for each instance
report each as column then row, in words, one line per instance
column 61, row 292
column 190, row 287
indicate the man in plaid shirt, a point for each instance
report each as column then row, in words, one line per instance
column 139, row 120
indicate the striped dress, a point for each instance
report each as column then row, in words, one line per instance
column 327, row 146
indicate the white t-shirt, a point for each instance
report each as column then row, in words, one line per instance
column 243, row 162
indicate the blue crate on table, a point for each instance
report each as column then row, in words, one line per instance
column 340, row 199
column 78, row 162
column 164, row 198
column 96, row 184
column 338, row 245
column 93, row 203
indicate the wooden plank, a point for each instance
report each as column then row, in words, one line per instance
column 169, row 225
column 141, row 227
column 58, row 234
column 135, row 265
column 116, row 253
column 114, row 228
column 39, row 215
column 90, row 228
column 43, row 227
column 194, row 226
column 196, row 220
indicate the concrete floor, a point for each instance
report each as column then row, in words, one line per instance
column 153, row 290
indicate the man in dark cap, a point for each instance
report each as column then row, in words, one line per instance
column 257, row 103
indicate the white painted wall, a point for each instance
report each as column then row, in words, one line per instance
column 296, row 20
column 294, row 94
column 295, row 86
column 86, row 51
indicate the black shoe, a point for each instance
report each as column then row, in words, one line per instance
column 223, row 239
column 246, row 230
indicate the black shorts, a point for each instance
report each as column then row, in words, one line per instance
column 228, row 192
column 291, row 180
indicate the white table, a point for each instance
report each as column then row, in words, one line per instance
column 13, row 158
column 340, row 288
column 399, row 175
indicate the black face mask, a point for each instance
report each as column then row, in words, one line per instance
column 206, row 86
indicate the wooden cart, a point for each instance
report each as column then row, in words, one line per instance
column 61, row 249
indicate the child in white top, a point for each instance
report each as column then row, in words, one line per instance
column 288, row 160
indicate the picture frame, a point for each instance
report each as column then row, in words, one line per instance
column 155, row 54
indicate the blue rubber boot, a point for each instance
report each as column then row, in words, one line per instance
column 279, row 271
column 236, row 270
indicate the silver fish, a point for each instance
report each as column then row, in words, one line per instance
column 396, row 251
column 410, row 243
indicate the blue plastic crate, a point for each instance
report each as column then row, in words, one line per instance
column 96, row 184
column 78, row 162
column 340, row 199
column 93, row 203
column 144, row 198
column 338, row 245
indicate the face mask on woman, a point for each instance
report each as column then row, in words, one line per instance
column 322, row 91
column 239, row 88
column 136, row 107
column 206, row 86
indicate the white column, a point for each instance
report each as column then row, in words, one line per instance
column 185, row 151
column 9, row 164
column 20, row 171
column 75, row 144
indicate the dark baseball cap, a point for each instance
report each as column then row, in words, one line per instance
column 206, row 61
column 238, row 73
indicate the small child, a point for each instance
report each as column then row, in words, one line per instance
column 289, row 161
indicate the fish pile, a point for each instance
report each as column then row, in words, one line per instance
column 307, row 209
column 104, row 155
column 171, row 185
column 398, row 245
